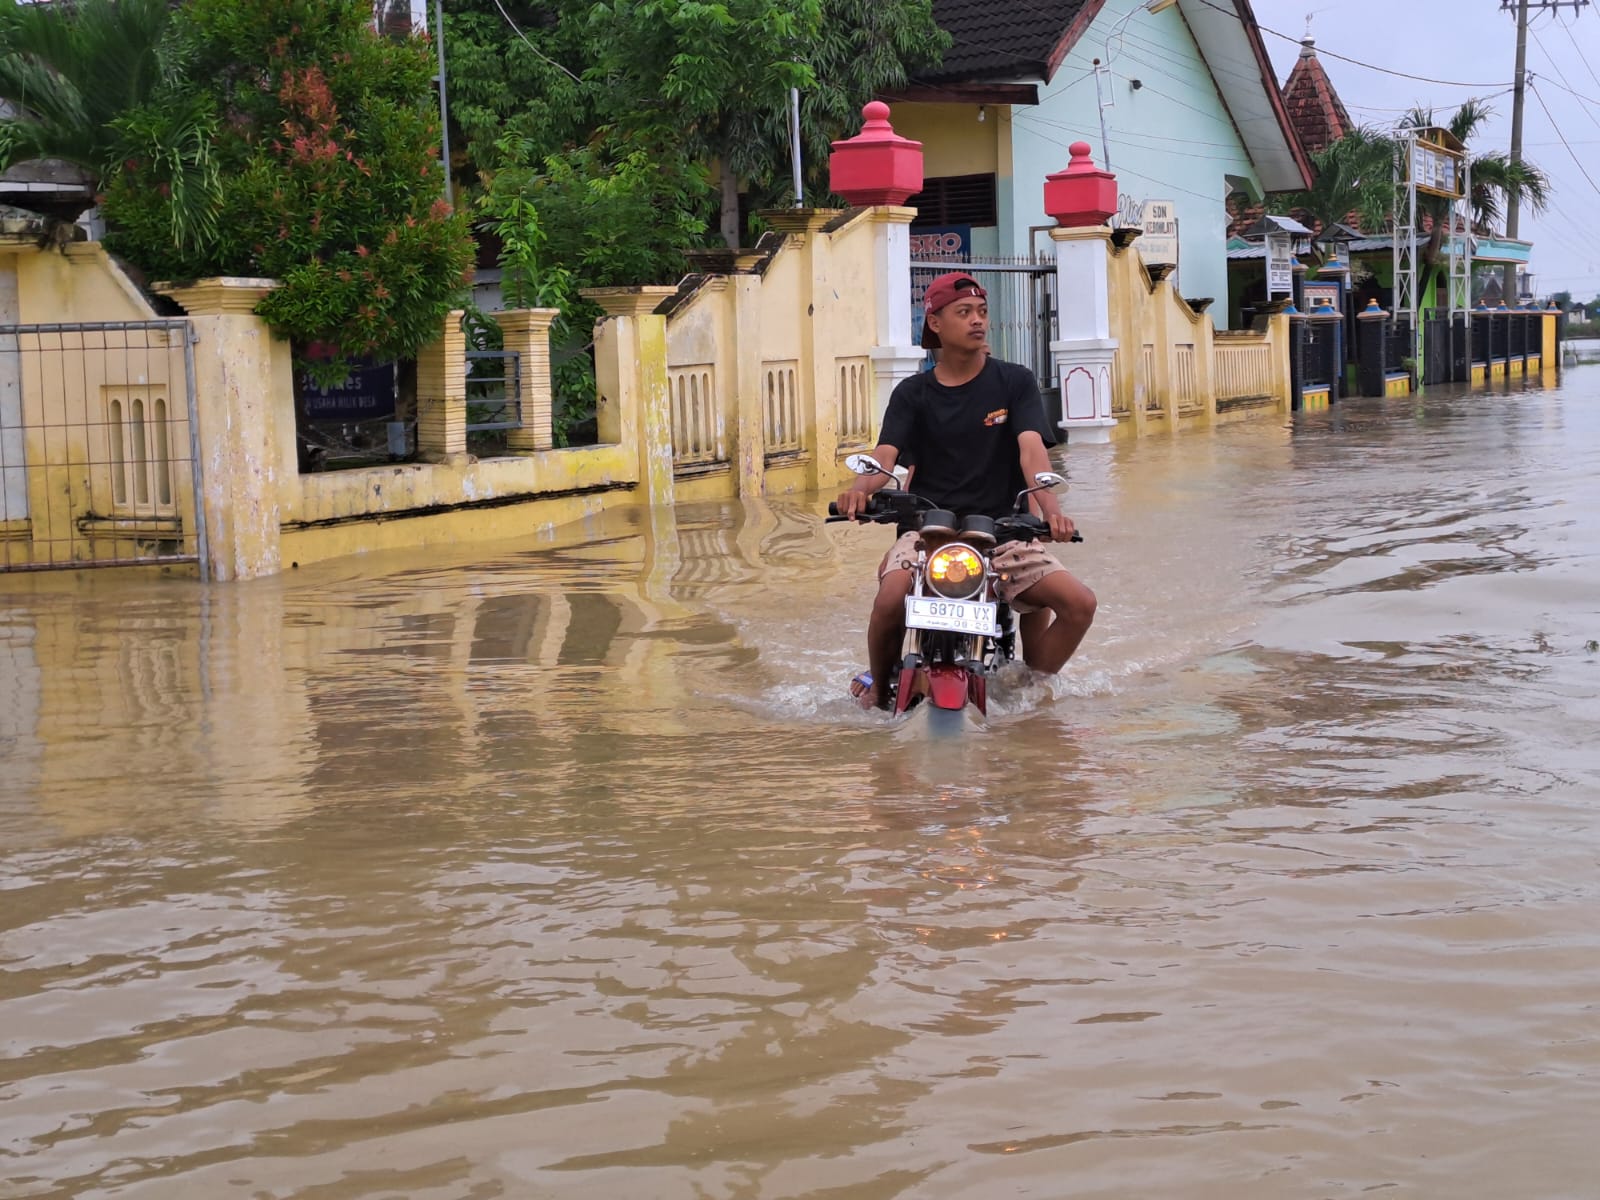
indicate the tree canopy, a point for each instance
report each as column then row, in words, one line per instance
column 327, row 140
column 1355, row 178
column 700, row 88
column 80, row 83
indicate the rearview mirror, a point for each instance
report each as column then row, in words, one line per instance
column 864, row 464
column 1049, row 479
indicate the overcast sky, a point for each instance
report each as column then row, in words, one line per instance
column 1473, row 41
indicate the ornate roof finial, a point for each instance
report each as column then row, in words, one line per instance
column 1308, row 45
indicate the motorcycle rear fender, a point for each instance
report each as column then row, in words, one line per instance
column 949, row 686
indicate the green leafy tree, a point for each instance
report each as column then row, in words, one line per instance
column 698, row 87
column 326, row 136
column 862, row 48
column 79, row 80
column 716, row 72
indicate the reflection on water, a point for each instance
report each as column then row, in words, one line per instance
column 511, row 872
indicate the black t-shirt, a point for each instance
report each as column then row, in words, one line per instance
column 963, row 440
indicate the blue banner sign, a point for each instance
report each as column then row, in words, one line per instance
column 367, row 395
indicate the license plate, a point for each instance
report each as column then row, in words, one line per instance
column 956, row 616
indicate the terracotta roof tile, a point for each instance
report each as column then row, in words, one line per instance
column 1318, row 118
column 1315, row 110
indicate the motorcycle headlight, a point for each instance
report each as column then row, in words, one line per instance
column 956, row 571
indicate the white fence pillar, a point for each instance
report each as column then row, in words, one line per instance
column 1083, row 350
column 895, row 354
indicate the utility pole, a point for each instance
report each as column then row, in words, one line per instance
column 1519, row 90
column 1508, row 282
column 444, row 98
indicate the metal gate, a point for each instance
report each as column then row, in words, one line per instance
column 99, row 459
column 1435, row 347
column 1022, row 306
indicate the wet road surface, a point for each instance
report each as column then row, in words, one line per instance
column 569, row 872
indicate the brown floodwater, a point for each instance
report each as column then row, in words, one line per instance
column 568, row 871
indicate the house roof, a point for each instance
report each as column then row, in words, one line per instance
column 990, row 40
column 1316, row 114
column 996, row 40
column 1315, row 110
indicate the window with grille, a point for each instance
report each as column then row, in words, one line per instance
column 956, row 200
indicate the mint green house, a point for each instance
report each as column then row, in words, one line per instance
column 1183, row 107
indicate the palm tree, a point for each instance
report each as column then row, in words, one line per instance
column 71, row 77
column 1495, row 179
column 1354, row 177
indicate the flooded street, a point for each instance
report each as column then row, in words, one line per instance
column 520, row 871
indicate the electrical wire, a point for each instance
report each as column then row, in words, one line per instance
column 1239, row 158
column 1576, row 160
column 1562, row 74
column 1582, row 57
column 1138, row 175
column 1575, row 94
column 532, row 47
column 1234, row 13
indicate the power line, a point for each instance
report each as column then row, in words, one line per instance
column 1576, row 160
column 1551, row 60
column 1240, row 158
column 1409, row 108
column 531, row 46
column 1138, row 175
column 1582, row 57
column 1354, row 61
column 1577, row 95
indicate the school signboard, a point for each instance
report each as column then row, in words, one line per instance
column 1158, row 243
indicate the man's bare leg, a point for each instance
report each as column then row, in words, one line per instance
column 886, row 633
column 1063, row 612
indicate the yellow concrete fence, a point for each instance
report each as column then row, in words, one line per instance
column 1173, row 369
column 759, row 380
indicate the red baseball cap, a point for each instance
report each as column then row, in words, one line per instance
column 946, row 289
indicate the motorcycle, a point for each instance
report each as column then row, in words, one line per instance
column 958, row 631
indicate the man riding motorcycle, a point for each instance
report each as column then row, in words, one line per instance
column 972, row 430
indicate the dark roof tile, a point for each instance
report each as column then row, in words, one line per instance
column 1001, row 38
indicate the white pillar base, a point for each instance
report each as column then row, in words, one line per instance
column 891, row 364
column 1096, row 431
column 1083, row 374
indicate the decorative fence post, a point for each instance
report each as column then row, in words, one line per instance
column 244, row 397
column 881, row 170
column 1298, row 331
column 1081, row 200
column 1460, row 349
column 442, row 395
column 1329, row 324
column 526, row 333
column 1549, row 343
column 803, row 228
column 630, row 365
column 749, row 452
column 1374, row 370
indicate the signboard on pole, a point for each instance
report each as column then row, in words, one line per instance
column 1438, row 164
column 1280, row 265
column 1159, row 241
